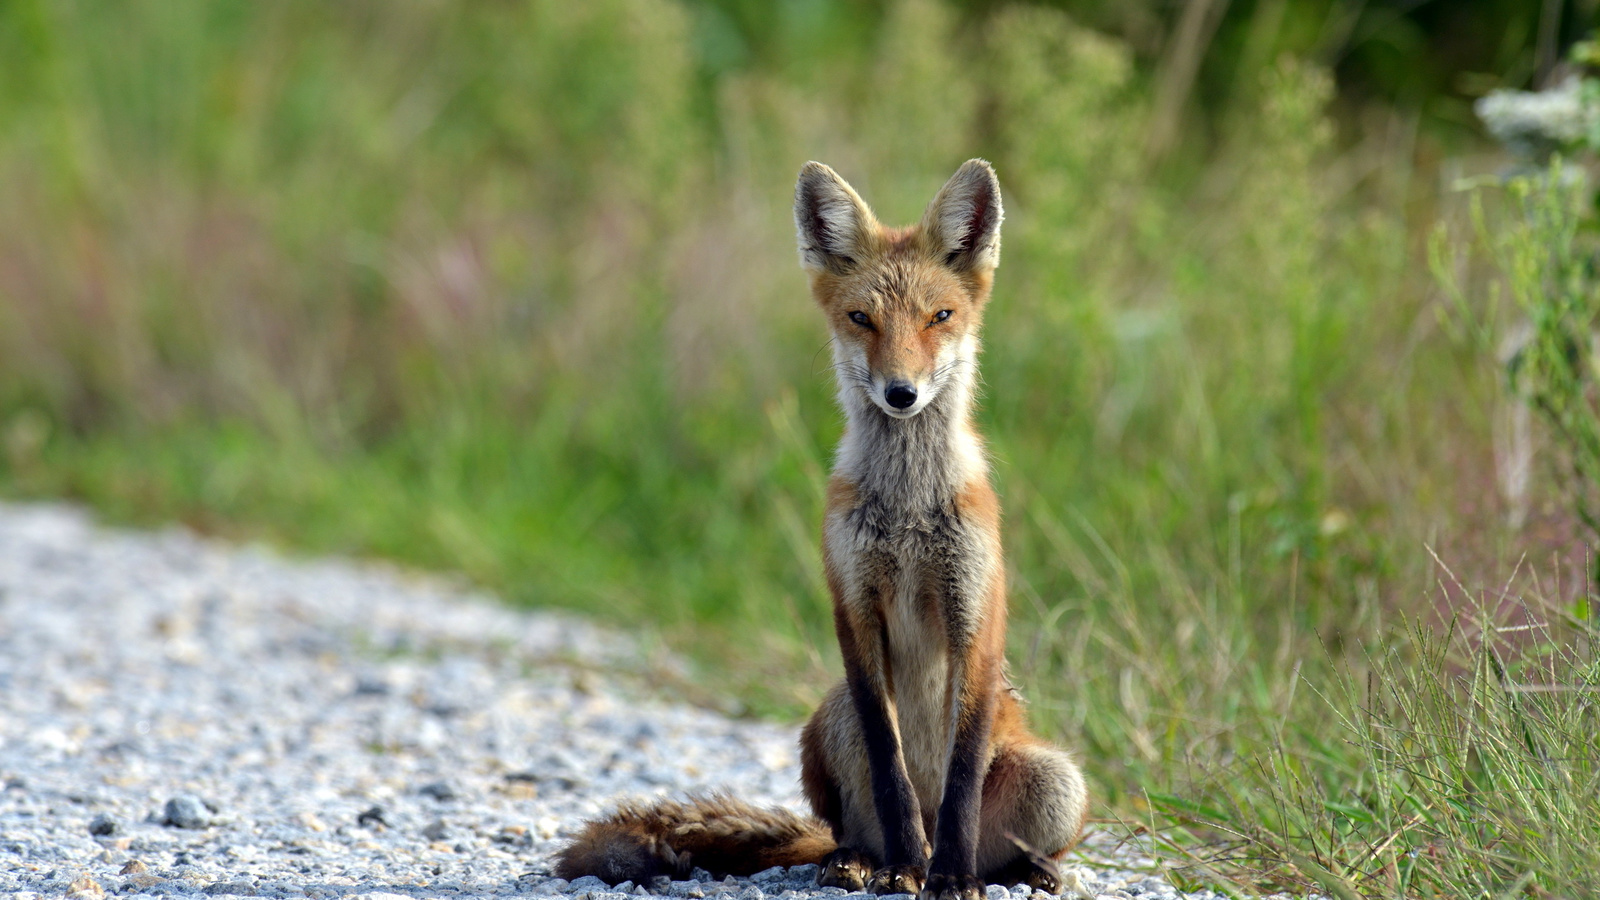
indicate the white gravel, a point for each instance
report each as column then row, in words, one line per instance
column 181, row 717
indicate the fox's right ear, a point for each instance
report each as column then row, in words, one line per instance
column 832, row 223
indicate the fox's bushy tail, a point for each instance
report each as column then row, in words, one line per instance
column 717, row 833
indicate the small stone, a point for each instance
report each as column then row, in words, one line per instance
column 624, row 888
column 372, row 818
column 186, row 811
column 310, row 820
column 687, row 889
column 997, row 892
column 515, row 835
column 371, row 687
column 85, row 888
column 520, row 790
column 807, row 873
column 234, row 888
column 699, row 874
column 772, row 874
column 436, row 831
column 134, row 867
column 587, row 883
column 438, row 790
column 102, row 826
column 142, row 882
column 660, row 884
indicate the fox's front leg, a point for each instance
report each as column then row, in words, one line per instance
column 973, row 688
column 863, row 644
column 971, row 590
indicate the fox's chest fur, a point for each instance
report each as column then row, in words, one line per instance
column 903, row 539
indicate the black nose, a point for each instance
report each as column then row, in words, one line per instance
column 900, row 395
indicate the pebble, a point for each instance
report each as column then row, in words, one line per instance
column 186, row 811
column 85, row 888
column 372, row 818
column 438, row 790
column 326, row 710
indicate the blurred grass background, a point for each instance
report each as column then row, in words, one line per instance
column 509, row 289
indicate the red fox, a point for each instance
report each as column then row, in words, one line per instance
column 918, row 766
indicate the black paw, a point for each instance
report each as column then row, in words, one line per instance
column 952, row 887
column 1042, row 878
column 845, row 868
column 1032, row 868
column 897, row 880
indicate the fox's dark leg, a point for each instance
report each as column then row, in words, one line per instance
column 968, row 582
column 862, row 644
column 953, row 872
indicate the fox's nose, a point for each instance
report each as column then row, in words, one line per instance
column 900, row 395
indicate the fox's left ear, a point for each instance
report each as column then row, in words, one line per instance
column 963, row 221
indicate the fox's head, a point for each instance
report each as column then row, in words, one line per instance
column 904, row 304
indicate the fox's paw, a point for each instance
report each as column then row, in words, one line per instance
column 1032, row 868
column 897, row 880
column 845, row 868
column 952, row 887
column 1041, row 878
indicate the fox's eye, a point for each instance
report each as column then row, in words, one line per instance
column 940, row 316
column 860, row 318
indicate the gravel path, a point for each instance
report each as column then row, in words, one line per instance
column 180, row 717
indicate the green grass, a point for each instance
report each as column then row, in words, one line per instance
column 510, row 290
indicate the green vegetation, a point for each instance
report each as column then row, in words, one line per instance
column 510, row 289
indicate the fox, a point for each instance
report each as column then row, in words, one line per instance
column 919, row 768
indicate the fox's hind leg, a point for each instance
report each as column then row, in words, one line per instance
column 1034, row 804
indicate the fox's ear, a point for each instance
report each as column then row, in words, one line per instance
column 963, row 221
column 831, row 222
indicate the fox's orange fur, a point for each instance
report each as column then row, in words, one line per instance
column 918, row 765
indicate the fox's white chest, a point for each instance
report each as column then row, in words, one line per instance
column 919, row 671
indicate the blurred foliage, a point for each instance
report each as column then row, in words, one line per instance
column 509, row 288
column 1411, row 53
column 1542, row 249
